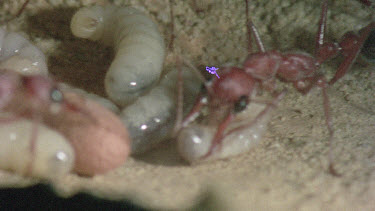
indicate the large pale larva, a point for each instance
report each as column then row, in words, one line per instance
column 98, row 99
column 195, row 140
column 151, row 117
column 138, row 45
column 99, row 138
column 20, row 55
column 54, row 157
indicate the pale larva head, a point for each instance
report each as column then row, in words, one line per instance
column 9, row 82
column 54, row 156
column 124, row 83
column 88, row 23
column 194, row 141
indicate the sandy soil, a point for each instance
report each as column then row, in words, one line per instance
column 288, row 169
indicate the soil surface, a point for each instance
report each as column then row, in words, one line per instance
column 288, row 169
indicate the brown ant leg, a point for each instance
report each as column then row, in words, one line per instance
column 269, row 106
column 170, row 45
column 350, row 45
column 180, row 100
column 33, row 140
column 321, row 82
column 252, row 30
column 219, row 135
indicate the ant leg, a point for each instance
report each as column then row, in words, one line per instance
column 251, row 29
column 33, row 140
column 350, row 47
column 18, row 13
column 219, row 135
column 320, row 81
column 170, row 46
column 200, row 101
column 22, row 8
column 269, row 106
column 319, row 38
column 324, row 50
column 180, row 100
column 194, row 112
column 328, row 118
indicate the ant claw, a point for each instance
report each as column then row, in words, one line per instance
column 332, row 171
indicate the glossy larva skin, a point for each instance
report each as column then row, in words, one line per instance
column 20, row 55
column 195, row 140
column 98, row 99
column 98, row 137
column 138, row 45
column 54, row 156
column 151, row 117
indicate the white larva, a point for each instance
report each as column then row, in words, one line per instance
column 195, row 140
column 20, row 55
column 54, row 157
column 138, row 45
column 151, row 117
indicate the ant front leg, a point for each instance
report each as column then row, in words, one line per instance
column 193, row 114
column 219, row 135
column 33, row 139
column 20, row 11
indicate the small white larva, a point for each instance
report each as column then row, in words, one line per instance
column 54, row 156
column 20, row 55
column 138, row 45
column 151, row 117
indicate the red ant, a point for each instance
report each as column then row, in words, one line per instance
column 31, row 97
column 230, row 94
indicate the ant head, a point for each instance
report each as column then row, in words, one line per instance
column 8, row 83
column 234, row 84
column 43, row 89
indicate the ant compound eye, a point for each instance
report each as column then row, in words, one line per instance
column 203, row 89
column 368, row 49
column 241, row 104
column 56, row 95
column 204, row 86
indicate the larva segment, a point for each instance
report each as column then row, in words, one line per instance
column 138, row 45
column 20, row 55
column 195, row 140
column 54, row 156
column 158, row 109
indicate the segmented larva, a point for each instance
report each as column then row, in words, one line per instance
column 151, row 117
column 98, row 99
column 195, row 140
column 138, row 45
column 54, row 156
column 19, row 54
